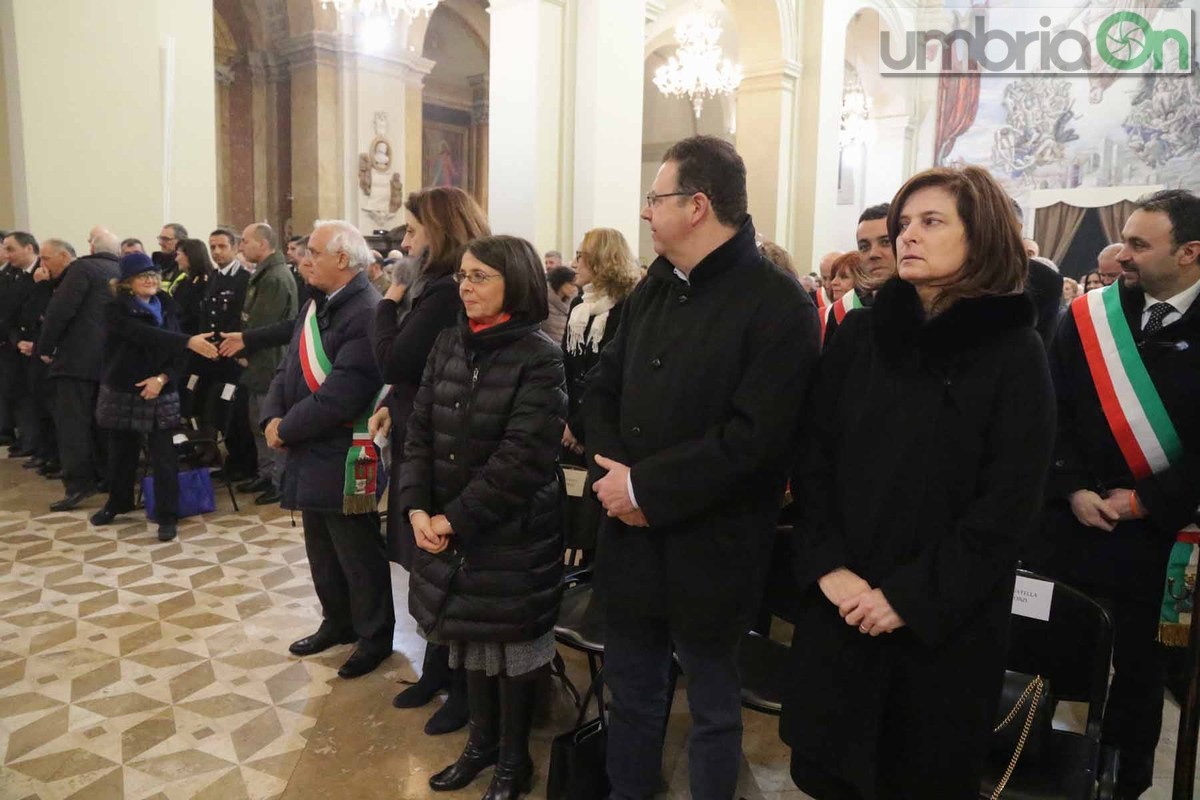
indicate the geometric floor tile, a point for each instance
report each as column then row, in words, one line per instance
column 135, row 669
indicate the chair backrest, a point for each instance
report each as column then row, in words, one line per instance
column 1072, row 649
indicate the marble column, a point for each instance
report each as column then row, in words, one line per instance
column 525, row 130
column 609, row 59
column 766, row 113
column 317, row 168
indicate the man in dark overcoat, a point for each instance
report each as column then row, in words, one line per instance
column 690, row 421
column 314, row 428
column 1114, row 531
column 72, row 343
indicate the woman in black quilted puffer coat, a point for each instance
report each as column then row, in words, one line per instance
column 480, row 489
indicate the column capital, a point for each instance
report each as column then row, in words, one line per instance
column 266, row 65
column 479, row 103
column 773, row 75
column 322, row 48
column 654, row 10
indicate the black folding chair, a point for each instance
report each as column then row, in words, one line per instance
column 762, row 661
column 1072, row 651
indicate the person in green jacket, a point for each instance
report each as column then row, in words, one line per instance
column 270, row 297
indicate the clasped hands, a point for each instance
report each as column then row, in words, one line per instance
column 859, row 605
column 431, row 533
column 1094, row 511
column 613, row 492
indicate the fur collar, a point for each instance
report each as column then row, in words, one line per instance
column 900, row 325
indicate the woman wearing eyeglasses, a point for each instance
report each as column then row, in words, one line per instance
column 479, row 488
column 407, row 322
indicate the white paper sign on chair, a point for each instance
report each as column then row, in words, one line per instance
column 1032, row 598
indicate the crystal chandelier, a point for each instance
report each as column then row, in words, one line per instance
column 697, row 71
column 394, row 8
column 856, row 110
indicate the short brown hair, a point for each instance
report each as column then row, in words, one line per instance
column 451, row 218
column 614, row 269
column 996, row 262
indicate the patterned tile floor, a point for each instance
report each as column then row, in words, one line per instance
column 131, row 669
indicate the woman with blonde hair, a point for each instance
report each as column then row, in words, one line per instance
column 440, row 222
column 940, row 392
column 607, row 270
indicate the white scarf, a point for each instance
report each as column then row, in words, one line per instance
column 595, row 306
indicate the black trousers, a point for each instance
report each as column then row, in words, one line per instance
column 80, row 450
column 1133, row 717
column 36, row 429
column 637, row 666
column 124, row 451
column 239, row 438
column 351, row 575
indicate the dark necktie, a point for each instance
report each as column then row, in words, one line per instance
column 1158, row 312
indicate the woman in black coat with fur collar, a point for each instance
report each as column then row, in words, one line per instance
column 480, row 490
column 915, row 492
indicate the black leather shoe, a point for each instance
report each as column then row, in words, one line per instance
column 102, row 517
column 51, row 471
column 435, row 676
column 269, row 497
column 7, row 439
column 254, row 486
column 37, row 462
column 321, row 641
column 166, row 530
column 18, row 452
column 360, row 662
column 72, row 500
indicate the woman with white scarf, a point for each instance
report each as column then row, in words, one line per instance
column 608, row 272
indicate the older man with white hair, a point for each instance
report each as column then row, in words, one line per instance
column 72, row 342
column 316, row 411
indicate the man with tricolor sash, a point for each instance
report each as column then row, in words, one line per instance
column 1126, row 475
column 316, row 412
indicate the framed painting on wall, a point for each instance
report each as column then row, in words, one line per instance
column 446, row 162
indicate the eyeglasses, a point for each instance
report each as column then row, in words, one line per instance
column 165, row 239
column 474, row 277
column 652, row 198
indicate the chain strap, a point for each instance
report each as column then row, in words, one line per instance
column 1035, row 687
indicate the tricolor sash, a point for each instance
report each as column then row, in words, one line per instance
column 1138, row 421
column 848, row 302
column 822, row 310
column 362, row 460
column 1131, row 404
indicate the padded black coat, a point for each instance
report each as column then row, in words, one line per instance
column 481, row 446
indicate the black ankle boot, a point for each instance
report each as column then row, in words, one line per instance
column 435, row 676
column 514, row 769
column 483, row 702
column 454, row 713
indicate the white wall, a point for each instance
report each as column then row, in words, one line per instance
column 85, row 100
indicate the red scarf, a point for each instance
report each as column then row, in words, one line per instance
column 476, row 327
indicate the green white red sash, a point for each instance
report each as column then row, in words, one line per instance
column 1131, row 403
column 1138, row 421
column 822, row 310
column 848, row 302
column 362, row 460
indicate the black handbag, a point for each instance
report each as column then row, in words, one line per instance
column 1026, row 722
column 578, row 758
